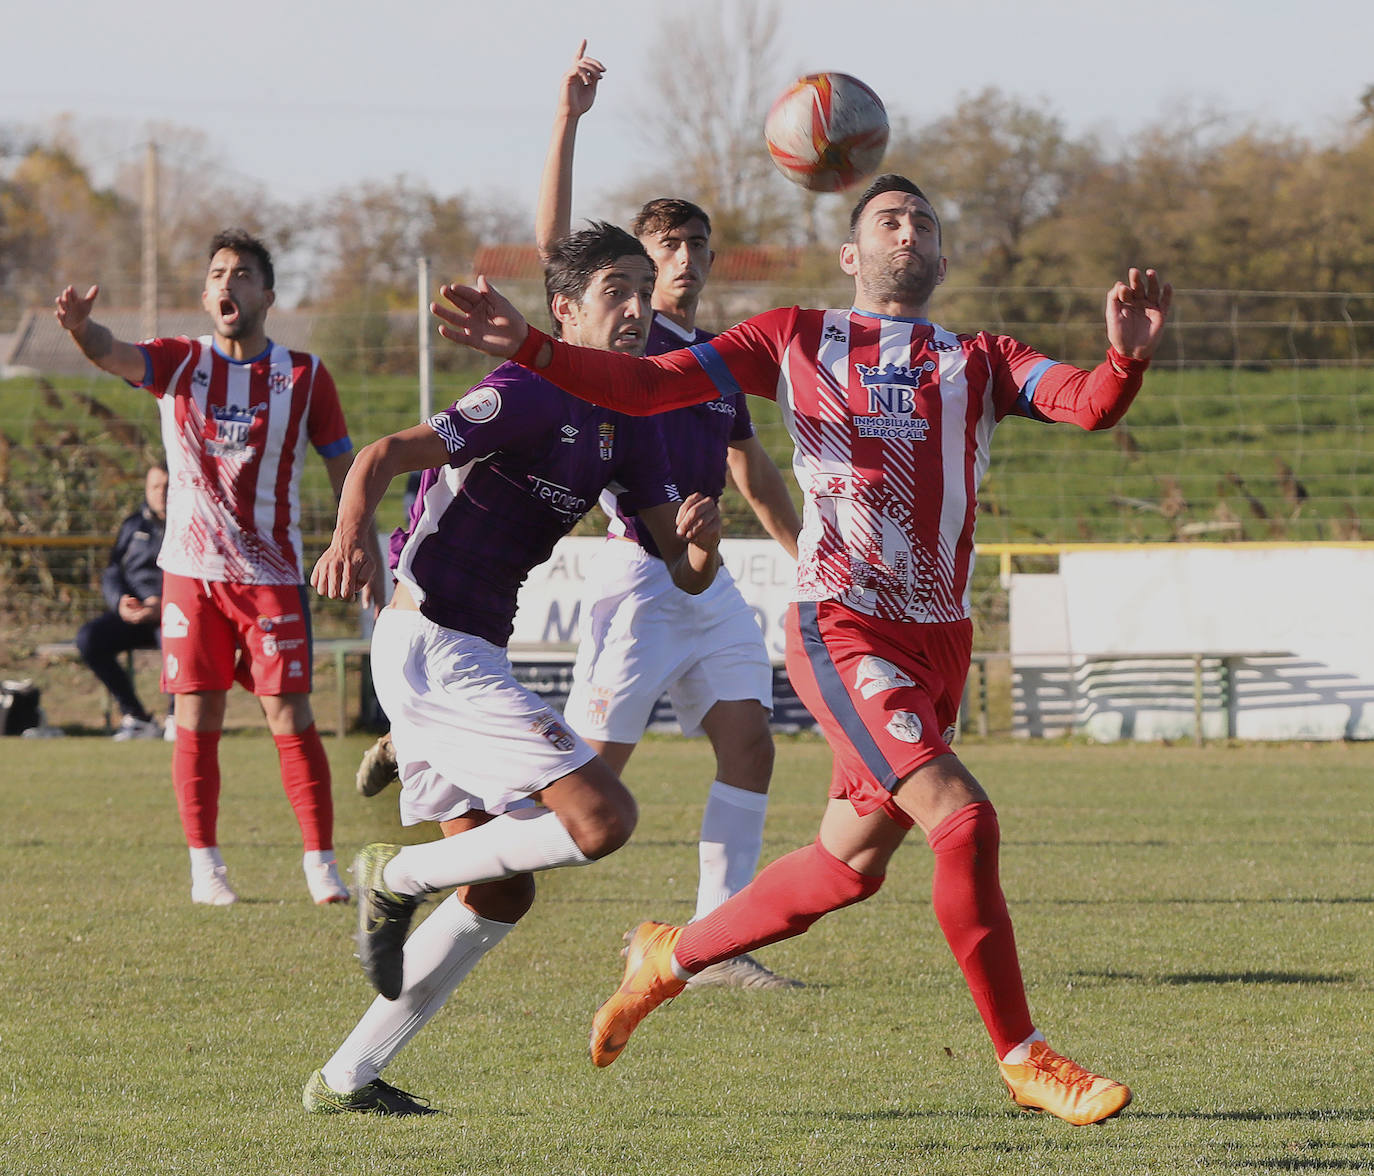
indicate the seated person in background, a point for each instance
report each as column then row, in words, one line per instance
column 132, row 587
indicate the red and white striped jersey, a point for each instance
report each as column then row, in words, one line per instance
column 891, row 420
column 235, row 433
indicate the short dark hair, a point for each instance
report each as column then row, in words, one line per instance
column 243, row 243
column 575, row 259
column 666, row 214
column 891, row 182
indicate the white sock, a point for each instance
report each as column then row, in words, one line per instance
column 1019, row 1053
column 319, row 857
column 526, row 840
column 441, row 952
column 206, row 860
column 731, row 840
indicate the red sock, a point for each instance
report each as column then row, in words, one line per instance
column 784, row 900
column 305, row 776
column 195, row 780
column 973, row 915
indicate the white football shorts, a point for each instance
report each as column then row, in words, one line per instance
column 639, row 635
column 467, row 735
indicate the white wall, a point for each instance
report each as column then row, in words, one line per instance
column 1312, row 604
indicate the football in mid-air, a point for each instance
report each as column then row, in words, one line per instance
column 826, row 131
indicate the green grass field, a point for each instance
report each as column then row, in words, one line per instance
column 1198, row 923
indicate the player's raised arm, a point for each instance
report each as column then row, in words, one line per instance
column 577, row 92
column 73, row 312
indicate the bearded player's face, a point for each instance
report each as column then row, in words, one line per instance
column 895, row 254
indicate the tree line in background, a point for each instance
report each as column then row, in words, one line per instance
column 1027, row 206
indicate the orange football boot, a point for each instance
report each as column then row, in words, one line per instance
column 647, row 983
column 1047, row 1081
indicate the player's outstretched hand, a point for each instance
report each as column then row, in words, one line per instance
column 698, row 521
column 341, row 571
column 578, row 90
column 73, row 311
column 1136, row 312
column 480, row 317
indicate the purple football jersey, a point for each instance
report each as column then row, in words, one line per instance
column 695, row 437
column 527, row 461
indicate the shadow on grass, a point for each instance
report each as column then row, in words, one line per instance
column 1181, row 978
column 1305, row 1115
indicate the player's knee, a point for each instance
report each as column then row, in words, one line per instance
column 747, row 761
column 610, row 827
column 507, row 900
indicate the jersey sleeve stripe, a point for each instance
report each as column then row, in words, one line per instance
column 342, row 445
column 715, row 368
column 1025, row 402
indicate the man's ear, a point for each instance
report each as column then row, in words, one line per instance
column 849, row 258
column 271, row 298
column 561, row 308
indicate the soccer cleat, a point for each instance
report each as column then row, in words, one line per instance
column 132, row 727
column 378, row 767
column 376, row 1098
column 1047, row 1081
column 743, row 971
column 647, row 983
column 383, row 919
column 210, row 887
column 324, row 882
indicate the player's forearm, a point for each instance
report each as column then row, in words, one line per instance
column 761, row 485
column 1093, row 400
column 695, row 569
column 630, row 384
column 98, row 344
column 553, row 212
column 96, row 341
column 362, row 492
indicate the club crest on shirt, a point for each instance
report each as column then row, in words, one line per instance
column 905, row 726
column 232, row 426
column 551, row 729
column 606, row 441
column 481, row 404
column 874, row 675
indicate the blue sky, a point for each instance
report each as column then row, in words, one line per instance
column 306, row 98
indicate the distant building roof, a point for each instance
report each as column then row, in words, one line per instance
column 40, row 345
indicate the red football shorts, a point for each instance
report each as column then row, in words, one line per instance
column 214, row 634
column 885, row 693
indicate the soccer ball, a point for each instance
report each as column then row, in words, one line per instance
column 826, row 131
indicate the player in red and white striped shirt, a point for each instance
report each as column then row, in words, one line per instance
column 891, row 416
column 238, row 412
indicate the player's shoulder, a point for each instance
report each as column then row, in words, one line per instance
column 509, row 389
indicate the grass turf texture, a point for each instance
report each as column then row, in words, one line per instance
column 1198, row 923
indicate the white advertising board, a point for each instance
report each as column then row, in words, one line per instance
column 550, row 601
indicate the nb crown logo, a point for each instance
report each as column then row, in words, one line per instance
column 872, row 377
